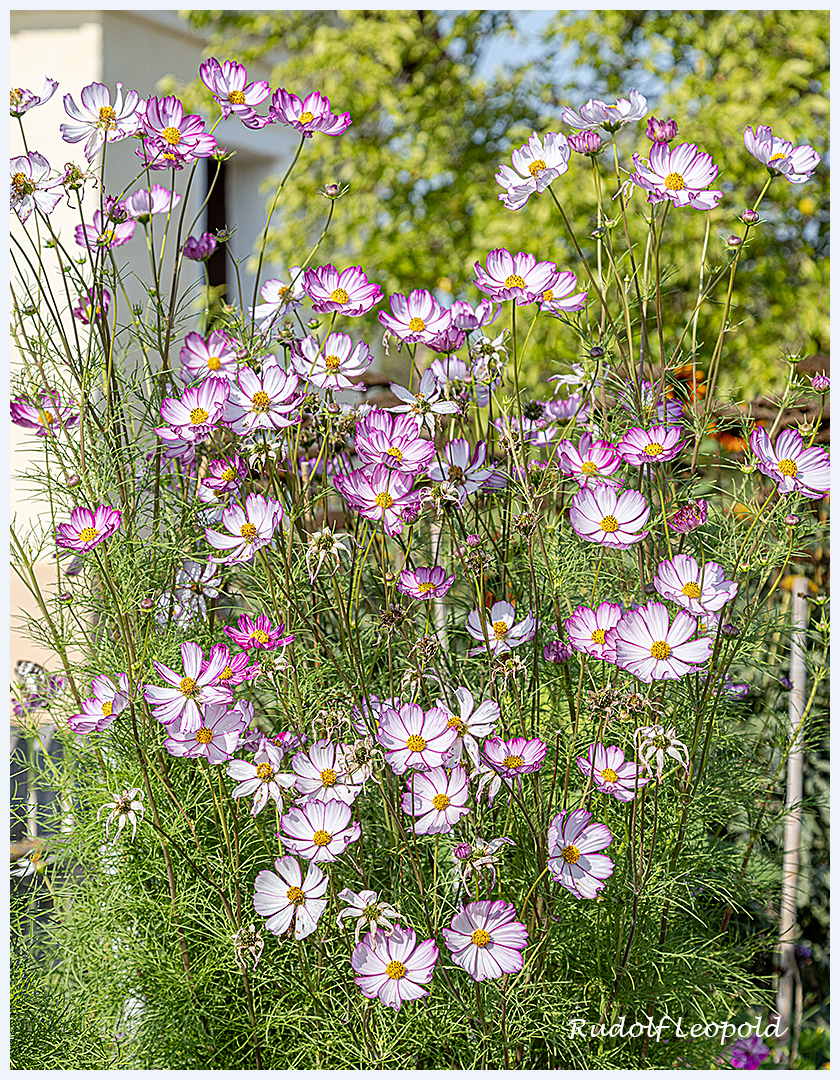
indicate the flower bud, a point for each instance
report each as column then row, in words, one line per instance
column 587, row 142
column 596, row 352
column 733, row 242
column 462, row 851
column 650, row 588
column 65, row 597
column 750, row 217
column 200, row 248
column 147, row 603
column 821, row 383
column 730, row 630
column 558, row 652
column 661, row 131
column 73, row 481
column 792, row 520
column 689, row 517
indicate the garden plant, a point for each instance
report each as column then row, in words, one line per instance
column 440, row 730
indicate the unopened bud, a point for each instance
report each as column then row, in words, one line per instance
column 662, row 131
column 733, row 242
column 750, row 217
column 65, row 598
column 821, row 383
column 730, row 630
column 586, row 142
column 147, row 603
column 73, row 481
column 596, row 352
column 792, row 520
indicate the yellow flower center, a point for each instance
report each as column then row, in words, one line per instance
column 440, row 802
column 395, row 970
column 609, row 524
column 88, row 534
column 691, row 589
column 332, row 363
column 321, row 838
column 674, row 182
column 610, row 775
column 339, row 296
column 513, row 761
column 548, row 296
column 480, row 938
column 105, row 238
column 456, row 474
column 660, row 650
column 107, row 707
column 570, row 853
column 198, row 416
column 107, row 117
column 777, row 157
column 264, row 771
column 653, row 448
column 261, row 401
column 21, row 185
column 599, row 636
column 204, row 735
column 214, row 363
column 249, row 531
column 281, row 292
column 415, row 325
column 295, row 895
column 395, row 452
column 328, row 777
column 236, row 97
column 384, row 500
column 589, row 468
column 46, row 418
column 514, row 281
column 536, row 167
column 172, row 135
column 424, row 587
column 500, row 630
column 261, row 636
column 306, row 117
column 416, row 743
column 226, row 674
column 455, row 721
column 228, row 475
column 188, row 686
column 15, row 97
column 787, row 467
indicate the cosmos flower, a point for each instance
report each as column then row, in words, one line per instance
column 144, row 202
column 414, row 739
column 437, row 798
column 650, row 647
column 503, row 631
column 259, row 633
column 321, row 776
column 287, row 896
column 217, row 738
column 393, row 967
column 348, row 292
column 417, row 317
column 596, row 113
column 795, row 163
column 681, row 174
column 604, row 516
column 535, row 166
column 263, row 402
column 173, row 139
column 610, row 773
column 93, row 306
column 466, row 317
column 592, row 461
column 561, row 297
column 185, row 697
column 261, row 777
column 425, row 403
column 88, row 529
column 200, row 248
column 641, row 447
column 30, row 185
column 125, row 807
column 197, row 413
column 379, row 494
column 574, row 841
column 319, row 831
column 587, row 629
column 385, row 438
column 367, row 909
column 21, row 101
column 514, row 758
column 227, row 81
column 689, row 517
column 102, row 709
column 48, row 417
column 485, row 939
column 280, row 296
column 307, row 116
column 657, row 742
column 793, row 466
column 104, row 233
column 249, row 529
column 463, row 468
column 471, row 724
column 749, row 1053
column 213, row 356
column 425, row 583
column 700, row 590
column 98, row 120
column 332, row 365
column 515, row 277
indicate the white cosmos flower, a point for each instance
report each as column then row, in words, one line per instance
column 287, row 895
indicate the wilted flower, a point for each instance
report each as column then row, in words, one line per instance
column 479, row 856
column 249, row 940
column 325, row 544
column 368, row 911
column 125, row 807
column 30, row 185
column 654, row 741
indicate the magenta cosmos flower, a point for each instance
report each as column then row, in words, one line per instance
column 414, row 739
column 535, row 165
column 503, row 631
column 87, row 529
column 100, row 711
column 30, row 185
column 748, row 1053
column 173, row 140
column 308, row 116
column 417, row 317
column 642, row 447
column 213, row 356
column 227, row 82
column 261, row 777
column 249, row 529
column 793, row 466
column 184, row 698
column 680, row 174
column 319, row 831
column 287, row 896
column 471, row 724
column 689, row 517
column 93, row 306
column 592, row 461
column 596, row 113
column 216, row 739
column 425, row 583
column 21, row 101
column 348, row 292
column 259, row 633
column 437, row 799
column 197, row 413
column 486, row 940
column 263, row 402
column 379, row 494
column 321, row 775
column 650, row 647
column 466, row 317
column 393, row 967
column 573, row 843
column 512, row 758
column 98, row 120
column 610, row 773
column 587, row 629
column 333, row 365
column 49, row 417
column 603, row 516
column 700, row 590
column 794, row 163
column 383, row 438
column 515, row 277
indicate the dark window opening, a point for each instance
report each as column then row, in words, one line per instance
column 216, row 219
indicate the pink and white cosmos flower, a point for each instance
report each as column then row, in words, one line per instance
column 643, row 447
column 98, row 120
column 379, row 494
column 417, row 317
column 681, row 174
column 535, row 166
column 795, row 163
column 333, row 365
column 197, row 413
column 280, row 296
column 21, row 101
column 249, row 528
column 30, row 184
column 471, row 724
column 700, row 590
column 596, row 113
column 793, row 466
column 503, row 631
column 485, row 939
column 424, row 404
column 225, row 478
column 393, row 967
column 227, row 82
column 587, row 629
column 574, row 841
column 348, row 292
column 214, row 356
column 261, row 777
column 263, row 402
column 414, row 739
column 88, row 529
column 319, row 831
column 561, row 297
column 320, row 774
column 49, row 417
column 173, row 139
column 437, row 798
column 259, row 633
column 610, row 773
column 286, row 896
column 185, row 697
column 384, row 438
column 466, row 317
column 144, row 202
column 514, row 758
column 604, row 516
column 104, row 233
column 102, row 709
column 425, row 583
column 308, row 116
column 650, row 647
column 217, row 738
column 515, row 277
column 592, row 461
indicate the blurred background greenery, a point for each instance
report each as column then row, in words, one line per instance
column 440, row 98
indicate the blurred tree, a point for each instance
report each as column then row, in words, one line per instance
column 430, row 131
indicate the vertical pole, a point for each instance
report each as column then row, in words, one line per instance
column 793, row 817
